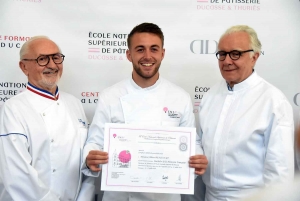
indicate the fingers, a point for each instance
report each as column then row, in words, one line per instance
column 200, row 171
column 95, row 158
column 199, row 162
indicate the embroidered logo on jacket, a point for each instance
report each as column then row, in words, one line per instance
column 171, row 113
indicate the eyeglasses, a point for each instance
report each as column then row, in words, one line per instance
column 43, row 60
column 234, row 54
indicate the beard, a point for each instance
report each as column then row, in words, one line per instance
column 146, row 74
column 50, row 82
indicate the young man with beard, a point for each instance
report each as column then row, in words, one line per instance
column 140, row 100
column 42, row 133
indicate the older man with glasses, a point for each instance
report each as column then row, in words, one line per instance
column 246, row 124
column 42, row 133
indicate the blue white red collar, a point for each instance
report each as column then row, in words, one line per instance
column 42, row 92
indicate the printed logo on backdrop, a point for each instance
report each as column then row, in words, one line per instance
column 228, row 5
column 199, row 91
column 89, row 97
column 296, row 98
column 107, row 46
column 202, row 46
column 10, row 89
column 12, row 41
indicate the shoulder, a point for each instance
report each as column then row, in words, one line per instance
column 115, row 91
column 271, row 91
column 70, row 100
column 69, row 97
column 174, row 89
column 17, row 100
column 216, row 88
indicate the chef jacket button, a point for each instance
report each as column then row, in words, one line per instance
column 53, row 170
column 52, row 140
column 57, row 103
column 44, row 114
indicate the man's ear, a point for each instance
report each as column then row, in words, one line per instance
column 255, row 57
column 24, row 68
column 163, row 53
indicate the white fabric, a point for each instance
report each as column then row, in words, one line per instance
column 247, row 137
column 281, row 192
column 125, row 102
column 41, row 141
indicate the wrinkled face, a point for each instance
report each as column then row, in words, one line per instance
column 145, row 53
column 44, row 77
column 236, row 71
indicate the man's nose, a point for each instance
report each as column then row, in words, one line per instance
column 228, row 60
column 51, row 62
column 147, row 54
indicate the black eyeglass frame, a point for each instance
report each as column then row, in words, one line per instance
column 236, row 51
column 48, row 56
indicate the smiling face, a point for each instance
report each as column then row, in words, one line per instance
column 236, row 71
column 145, row 53
column 44, row 77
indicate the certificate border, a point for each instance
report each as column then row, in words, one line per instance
column 109, row 138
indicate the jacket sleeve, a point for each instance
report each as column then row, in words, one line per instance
column 87, row 190
column 188, row 118
column 279, row 141
column 19, row 177
column 95, row 138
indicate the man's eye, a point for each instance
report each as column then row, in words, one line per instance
column 42, row 58
column 236, row 54
column 139, row 50
column 56, row 57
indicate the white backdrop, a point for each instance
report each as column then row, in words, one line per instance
column 92, row 34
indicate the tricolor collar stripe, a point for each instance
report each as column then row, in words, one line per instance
column 42, row 92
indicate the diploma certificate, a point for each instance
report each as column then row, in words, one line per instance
column 148, row 159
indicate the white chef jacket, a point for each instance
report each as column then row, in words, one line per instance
column 41, row 141
column 247, row 137
column 280, row 192
column 126, row 102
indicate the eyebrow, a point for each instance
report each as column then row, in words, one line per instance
column 142, row 46
column 49, row 54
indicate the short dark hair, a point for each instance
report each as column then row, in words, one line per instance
column 146, row 28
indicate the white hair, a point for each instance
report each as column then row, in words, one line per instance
column 254, row 41
column 25, row 47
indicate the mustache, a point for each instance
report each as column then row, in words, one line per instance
column 50, row 70
column 147, row 60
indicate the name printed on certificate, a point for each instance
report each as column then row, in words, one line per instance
column 148, row 159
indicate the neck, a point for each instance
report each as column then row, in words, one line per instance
column 144, row 82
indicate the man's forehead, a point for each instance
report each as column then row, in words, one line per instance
column 145, row 38
column 43, row 46
column 236, row 40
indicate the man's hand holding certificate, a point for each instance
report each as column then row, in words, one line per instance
column 143, row 159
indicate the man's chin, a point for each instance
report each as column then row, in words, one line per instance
column 49, row 84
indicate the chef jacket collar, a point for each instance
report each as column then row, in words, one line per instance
column 147, row 88
column 42, row 92
column 251, row 80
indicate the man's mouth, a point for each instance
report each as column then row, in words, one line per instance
column 50, row 72
column 147, row 64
